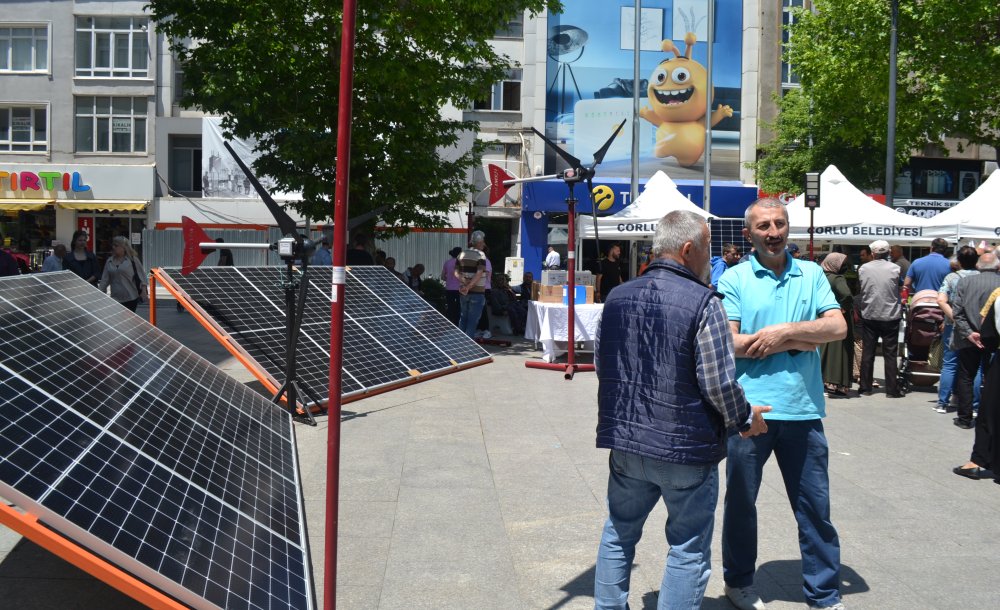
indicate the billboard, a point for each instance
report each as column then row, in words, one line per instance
column 589, row 84
column 221, row 177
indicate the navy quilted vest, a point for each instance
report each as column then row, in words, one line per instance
column 649, row 401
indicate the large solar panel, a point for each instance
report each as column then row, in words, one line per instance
column 391, row 335
column 134, row 447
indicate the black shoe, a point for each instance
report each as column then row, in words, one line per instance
column 864, row 391
column 975, row 472
column 961, row 423
column 894, row 395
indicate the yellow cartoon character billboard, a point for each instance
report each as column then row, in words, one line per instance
column 676, row 92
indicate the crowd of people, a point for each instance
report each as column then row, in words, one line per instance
column 746, row 376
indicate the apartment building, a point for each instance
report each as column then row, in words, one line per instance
column 92, row 137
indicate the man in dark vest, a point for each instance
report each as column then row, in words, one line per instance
column 667, row 400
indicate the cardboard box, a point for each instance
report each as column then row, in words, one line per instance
column 555, row 277
column 558, row 294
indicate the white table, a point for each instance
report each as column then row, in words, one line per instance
column 548, row 324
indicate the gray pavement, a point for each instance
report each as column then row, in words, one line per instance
column 483, row 490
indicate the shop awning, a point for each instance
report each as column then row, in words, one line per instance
column 105, row 205
column 24, row 205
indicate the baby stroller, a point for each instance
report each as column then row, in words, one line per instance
column 922, row 319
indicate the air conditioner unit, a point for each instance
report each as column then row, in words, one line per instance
column 968, row 182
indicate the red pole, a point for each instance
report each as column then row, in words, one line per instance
column 344, row 110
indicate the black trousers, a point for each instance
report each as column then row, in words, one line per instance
column 986, row 450
column 888, row 331
column 969, row 361
column 451, row 306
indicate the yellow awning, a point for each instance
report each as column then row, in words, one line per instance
column 104, row 205
column 24, row 205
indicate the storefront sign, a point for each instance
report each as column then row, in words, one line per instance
column 42, row 181
column 923, row 208
column 121, row 125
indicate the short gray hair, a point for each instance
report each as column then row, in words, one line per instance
column 764, row 202
column 675, row 229
column 988, row 262
column 477, row 237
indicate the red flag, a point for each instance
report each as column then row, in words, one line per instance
column 497, row 187
column 193, row 254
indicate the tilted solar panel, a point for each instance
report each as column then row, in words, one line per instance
column 391, row 335
column 132, row 446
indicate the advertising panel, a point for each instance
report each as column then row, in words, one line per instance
column 221, row 177
column 589, row 84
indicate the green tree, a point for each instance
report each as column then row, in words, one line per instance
column 270, row 68
column 948, row 75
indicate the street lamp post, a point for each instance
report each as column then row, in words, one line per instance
column 812, row 202
column 890, row 148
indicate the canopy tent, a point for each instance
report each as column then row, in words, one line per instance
column 848, row 216
column 638, row 220
column 977, row 217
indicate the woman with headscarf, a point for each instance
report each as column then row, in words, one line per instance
column 838, row 356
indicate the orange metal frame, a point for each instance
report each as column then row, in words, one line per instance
column 31, row 528
column 246, row 360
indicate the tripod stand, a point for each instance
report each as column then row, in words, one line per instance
column 571, row 367
column 293, row 393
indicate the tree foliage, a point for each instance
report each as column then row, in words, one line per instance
column 270, row 68
column 947, row 79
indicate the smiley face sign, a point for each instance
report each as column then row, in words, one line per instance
column 603, row 197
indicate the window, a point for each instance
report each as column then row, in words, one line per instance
column 789, row 79
column 24, row 129
column 512, row 29
column 506, row 94
column 24, row 48
column 111, row 124
column 112, row 47
column 185, row 165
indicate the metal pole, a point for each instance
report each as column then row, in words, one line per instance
column 344, row 111
column 890, row 148
column 812, row 254
column 634, row 188
column 710, row 39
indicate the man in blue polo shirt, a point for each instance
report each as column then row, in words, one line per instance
column 780, row 309
column 928, row 272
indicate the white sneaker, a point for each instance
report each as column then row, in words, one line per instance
column 836, row 606
column 744, row 598
column 487, row 335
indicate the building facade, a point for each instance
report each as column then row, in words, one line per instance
column 92, row 136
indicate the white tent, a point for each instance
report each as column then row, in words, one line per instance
column 848, row 216
column 638, row 220
column 977, row 217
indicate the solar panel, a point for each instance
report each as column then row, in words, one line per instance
column 134, row 447
column 392, row 336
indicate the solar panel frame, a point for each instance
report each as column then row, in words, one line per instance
column 374, row 300
column 80, row 468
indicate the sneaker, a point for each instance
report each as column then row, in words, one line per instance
column 487, row 335
column 940, row 408
column 744, row 598
column 836, row 606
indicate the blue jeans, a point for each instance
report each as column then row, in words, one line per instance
column 803, row 456
column 690, row 493
column 949, row 366
column 471, row 309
